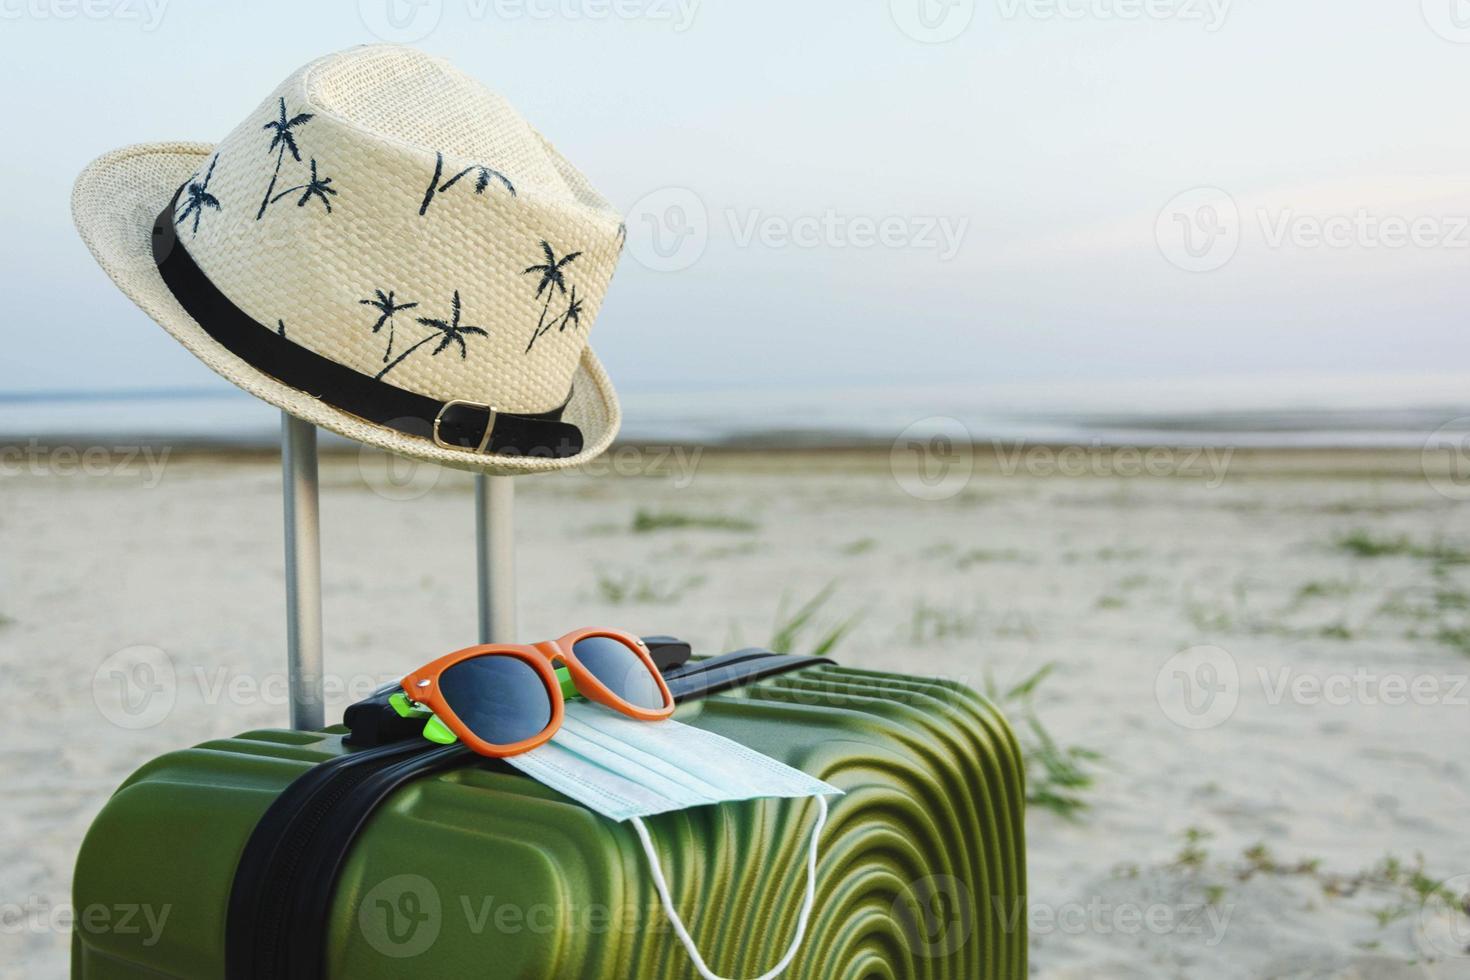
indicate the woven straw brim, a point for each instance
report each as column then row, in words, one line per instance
column 115, row 203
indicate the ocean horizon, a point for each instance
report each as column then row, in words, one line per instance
column 1279, row 412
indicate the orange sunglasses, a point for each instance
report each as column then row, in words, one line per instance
column 504, row 699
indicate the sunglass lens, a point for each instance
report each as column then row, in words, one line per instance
column 620, row 670
column 501, row 699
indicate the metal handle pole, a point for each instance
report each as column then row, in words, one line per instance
column 495, row 557
column 304, row 663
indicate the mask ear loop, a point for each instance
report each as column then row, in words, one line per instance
column 802, row 920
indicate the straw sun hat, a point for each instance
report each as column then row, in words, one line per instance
column 383, row 248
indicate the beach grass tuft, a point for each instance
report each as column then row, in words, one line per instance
column 1193, row 854
column 792, row 625
column 1455, row 637
column 1362, row 543
column 1402, row 888
column 621, row 588
column 1325, row 589
column 724, row 551
column 647, row 521
column 935, row 624
column 1117, row 598
column 1057, row 777
column 985, row 556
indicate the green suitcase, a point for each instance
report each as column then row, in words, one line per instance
column 478, row 871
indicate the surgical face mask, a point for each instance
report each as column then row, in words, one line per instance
column 627, row 770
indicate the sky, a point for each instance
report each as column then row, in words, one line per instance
column 831, row 192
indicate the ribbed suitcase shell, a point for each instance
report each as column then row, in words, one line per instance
column 922, row 870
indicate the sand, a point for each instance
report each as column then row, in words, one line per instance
column 1334, row 585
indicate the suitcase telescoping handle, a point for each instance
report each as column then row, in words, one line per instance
column 304, row 664
column 494, row 564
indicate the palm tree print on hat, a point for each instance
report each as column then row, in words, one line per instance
column 199, row 198
column 573, row 316
column 281, row 141
column 447, row 332
column 570, row 317
column 433, row 183
column 482, row 179
column 316, row 187
column 281, row 328
column 385, row 306
column 552, row 279
column 483, row 176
